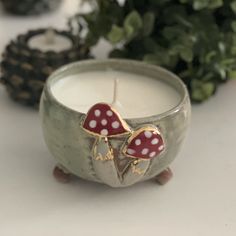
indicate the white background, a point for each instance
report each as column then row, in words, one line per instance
column 200, row 200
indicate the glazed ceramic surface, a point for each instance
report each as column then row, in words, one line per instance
column 105, row 159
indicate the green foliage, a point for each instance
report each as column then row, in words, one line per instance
column 194, row 38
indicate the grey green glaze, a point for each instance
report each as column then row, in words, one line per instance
column 72, row 146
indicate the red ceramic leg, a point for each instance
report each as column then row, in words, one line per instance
column 164, row 176
column 61, row 175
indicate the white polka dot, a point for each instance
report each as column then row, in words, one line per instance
column 104, row 122
column 148, row 134
column 104, row 132
column 161, row 148
column 152, row 154
column 130, row 151
column 97, row 113
column 92, row 124
column 145, row 151
column 155, row 141
column 109, row 113
column 137, row 142
column 115, row 124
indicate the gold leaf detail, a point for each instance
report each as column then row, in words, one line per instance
column 109, row 156
column 135, row 169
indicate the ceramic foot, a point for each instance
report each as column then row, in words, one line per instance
column 164, row 176
column 61, row 175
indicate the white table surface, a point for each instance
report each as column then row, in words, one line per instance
column 200, row 200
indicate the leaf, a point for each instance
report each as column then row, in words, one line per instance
column 212, row 4
column 129, row 31
column 233, row 6
column 201, row 90
column 116, row 34
column 148, row 23
column 186, row 54
column 200, row 4
column 222, row 72
column 132, row 24
column 215, row 3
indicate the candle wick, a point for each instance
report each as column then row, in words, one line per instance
column 49, row 36
column 115, row 92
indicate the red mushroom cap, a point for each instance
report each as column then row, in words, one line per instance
column 145, row 143
column 103, row 120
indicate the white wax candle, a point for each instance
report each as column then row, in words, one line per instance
column 50, row 41
column 137, row 96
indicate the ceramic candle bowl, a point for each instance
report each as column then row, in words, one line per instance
column 118, row 152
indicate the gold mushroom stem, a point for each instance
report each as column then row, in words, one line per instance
column 109, row 154
column 103, row 162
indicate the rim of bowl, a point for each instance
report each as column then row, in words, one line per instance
column 109, row 62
